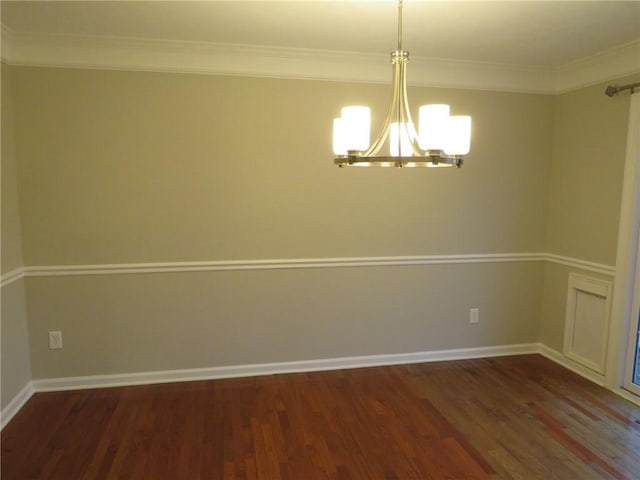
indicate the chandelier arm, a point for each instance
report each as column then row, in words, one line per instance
column 398, row 102
column 408, row 120
column 386, row 126
column 403, row 126
column 400, row 81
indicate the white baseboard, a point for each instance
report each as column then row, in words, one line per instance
column 575, row 367
column 236, row 371
column 627, row 395
column 145, row 378
column 16, row 404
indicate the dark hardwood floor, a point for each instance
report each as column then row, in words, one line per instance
column 520, row 417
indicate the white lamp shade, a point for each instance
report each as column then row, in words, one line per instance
column 458, row 137
column 403, row 147
column 339, row 140
column 433, row 122
column 356, row 125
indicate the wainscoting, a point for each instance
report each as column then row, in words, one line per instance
column 495, row 324
column 587, row 321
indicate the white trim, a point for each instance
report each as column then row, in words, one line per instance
column 275, row 264
column 633, row 328
column 598, row 288
column 581, row 264
column 626, row 257
column 575, row 367
column 626, row 327
column 12, row 276
column 627, row 395
column 614, row 63
column 147, row 378
column 236, row 371
column 292, row 263
column 590, row 375
column 16, row 404
column 137, row 54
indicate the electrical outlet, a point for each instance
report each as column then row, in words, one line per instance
column 55, row 340
column 474, row 315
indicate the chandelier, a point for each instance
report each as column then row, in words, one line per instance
column 440, row 141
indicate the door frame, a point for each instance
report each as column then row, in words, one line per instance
column 633, row 338
column 627, row 258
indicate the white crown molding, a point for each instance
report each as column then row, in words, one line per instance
column 295, row 263
column 123, row 53
column 445, row 73
column 602, row 67
column 94, row 52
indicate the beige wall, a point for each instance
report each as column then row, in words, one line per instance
column 590, row 132
column 14, row 346
column 120, row 167
column 147, row 322
column 16, row 368
column 11, row 244
column 130, row 167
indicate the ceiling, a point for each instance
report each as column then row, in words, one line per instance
column 548, row 34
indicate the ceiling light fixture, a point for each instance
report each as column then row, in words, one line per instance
column 441, row 141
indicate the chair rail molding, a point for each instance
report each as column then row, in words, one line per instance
column 291, row 263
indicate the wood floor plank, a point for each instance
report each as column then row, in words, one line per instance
column 520, row 417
